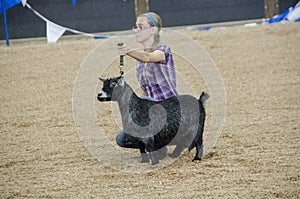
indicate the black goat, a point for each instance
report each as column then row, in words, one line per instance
column 178, row 120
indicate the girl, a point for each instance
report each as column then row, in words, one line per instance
column 155, row 67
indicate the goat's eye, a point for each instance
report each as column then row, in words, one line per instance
column 113, row 84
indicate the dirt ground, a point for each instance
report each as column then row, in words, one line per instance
column 256, row 156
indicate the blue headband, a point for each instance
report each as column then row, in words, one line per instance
column 151, row 19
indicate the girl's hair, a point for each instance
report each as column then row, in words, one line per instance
column 153, row 16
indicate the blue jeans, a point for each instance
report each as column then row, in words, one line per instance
column 123, row 141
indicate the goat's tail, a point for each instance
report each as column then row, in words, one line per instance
column 198, row 138
column 203, row 97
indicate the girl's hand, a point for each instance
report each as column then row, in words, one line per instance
column 123, row 49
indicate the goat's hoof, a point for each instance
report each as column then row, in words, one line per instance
column 145, row 158
column 174, row 155
column 196, row 159
column 171, row 156
column 154, row 162
column 145, row 161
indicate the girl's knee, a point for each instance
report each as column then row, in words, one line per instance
column 120, row 139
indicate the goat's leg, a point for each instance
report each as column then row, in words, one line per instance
column 149, row 145
column 198, row 142
column 144, row 155
column 177, row 151
column 199, row 152
column 154, row 159
column 152, row 155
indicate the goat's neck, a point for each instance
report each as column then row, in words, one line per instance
column 128, row 97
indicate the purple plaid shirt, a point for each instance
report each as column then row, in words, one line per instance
column 158, row 79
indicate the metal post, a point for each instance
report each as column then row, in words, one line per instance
column 271, row 8
column 5, row 23
column 141, row 6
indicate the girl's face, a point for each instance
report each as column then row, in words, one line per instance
column 143, row 30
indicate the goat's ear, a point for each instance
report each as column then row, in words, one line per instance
column 121, row 81
column 101, row 79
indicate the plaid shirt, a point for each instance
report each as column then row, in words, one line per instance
column 158, row 79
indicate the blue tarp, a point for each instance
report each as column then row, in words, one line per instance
column 291, row 14
column 8, row 4
column 5, row 5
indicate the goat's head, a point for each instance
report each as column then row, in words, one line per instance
column 112, row 89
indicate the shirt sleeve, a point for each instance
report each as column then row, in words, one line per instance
column 166, row 49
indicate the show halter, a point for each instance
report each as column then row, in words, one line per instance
column 121, row 60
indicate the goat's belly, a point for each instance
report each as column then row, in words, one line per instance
column 167, row 134
column 184, row 137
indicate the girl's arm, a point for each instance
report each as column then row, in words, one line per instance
column 143, row 56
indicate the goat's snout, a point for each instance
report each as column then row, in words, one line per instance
column 99, row 96
column 102, row 96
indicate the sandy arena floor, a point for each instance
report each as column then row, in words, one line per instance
column 256, row 156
